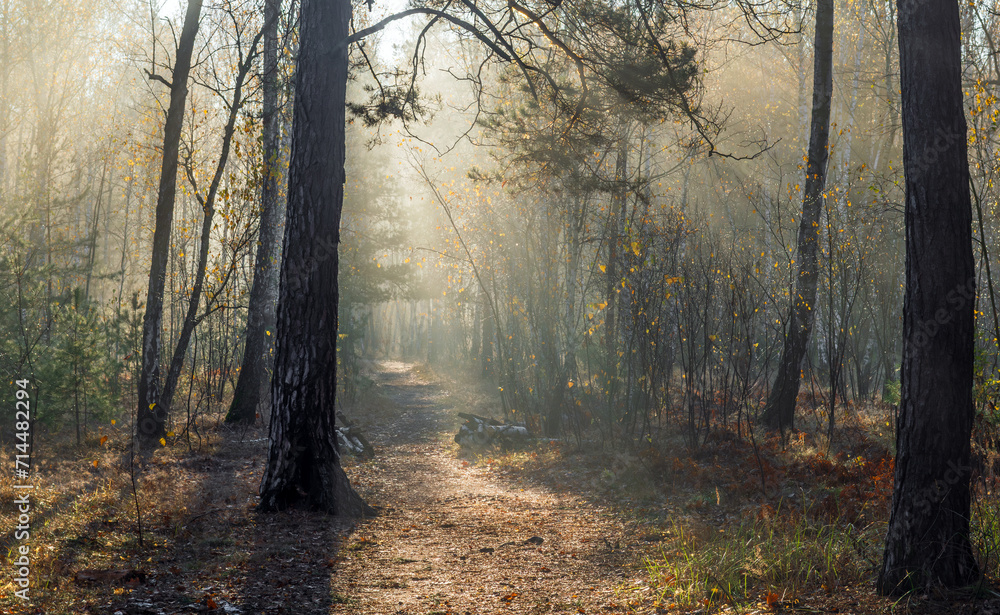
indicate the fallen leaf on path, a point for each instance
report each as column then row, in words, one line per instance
column 772, row 600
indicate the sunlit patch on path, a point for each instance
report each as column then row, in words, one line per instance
column 453, row 540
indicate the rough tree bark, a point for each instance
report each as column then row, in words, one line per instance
column 251, row 397
column 928, row 537
column 151, row 418
column 780, row 410
column 303, row 465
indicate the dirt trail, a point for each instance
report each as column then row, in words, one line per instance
column 452, row 539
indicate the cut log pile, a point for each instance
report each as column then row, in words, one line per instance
column 481, row 432
column 351, row 441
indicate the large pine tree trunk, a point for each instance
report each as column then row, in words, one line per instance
column 251, row 397
column 303, row 461
column 780, row 410
column 151, row 418
column 928, row 536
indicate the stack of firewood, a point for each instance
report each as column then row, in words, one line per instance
column 481, row 432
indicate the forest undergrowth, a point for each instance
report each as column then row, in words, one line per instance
column 733, row 526
column 763, row 524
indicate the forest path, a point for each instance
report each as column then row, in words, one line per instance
column 453, row 539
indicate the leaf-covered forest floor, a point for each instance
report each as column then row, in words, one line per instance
column 556, row 527
column 454, row 539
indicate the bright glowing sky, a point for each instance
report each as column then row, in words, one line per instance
column 395, row 31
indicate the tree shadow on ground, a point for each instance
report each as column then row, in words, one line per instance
column 218, row 554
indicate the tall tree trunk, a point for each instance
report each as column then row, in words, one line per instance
column 844, row 153
column 151, row 418
column 615, row 231
column 5, row 67
column 92, row 232
column 928, row 537
column 488, row 356
column 475, row 351
column 803, row 80
column 303, row 461
column 251, row 397
column 208, row 214
column 780, row 410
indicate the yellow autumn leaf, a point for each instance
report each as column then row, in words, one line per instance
column 163, row 441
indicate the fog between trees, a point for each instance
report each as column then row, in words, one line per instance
column 606, row 229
